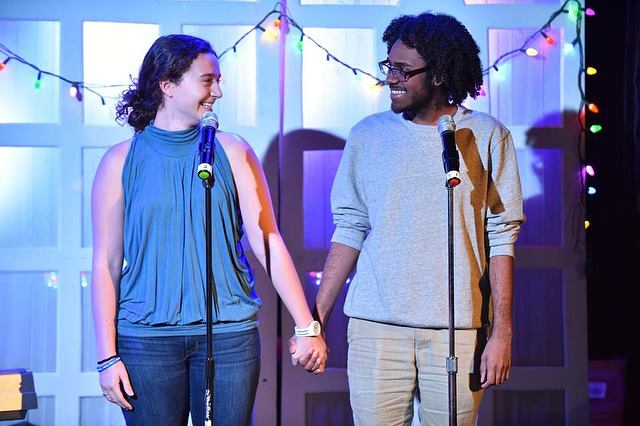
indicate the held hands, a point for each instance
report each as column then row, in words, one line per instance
column 308, row 352
column 113, row 381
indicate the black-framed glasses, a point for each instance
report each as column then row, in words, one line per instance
column 398, row 73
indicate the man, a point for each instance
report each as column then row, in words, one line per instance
column 389, row 204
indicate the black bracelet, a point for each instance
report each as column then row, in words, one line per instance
column 108, row 364
column 107, row 359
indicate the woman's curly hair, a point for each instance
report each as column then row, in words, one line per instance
column 168, row 58
column 447, row 47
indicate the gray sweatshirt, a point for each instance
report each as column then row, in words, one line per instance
column 389, row 201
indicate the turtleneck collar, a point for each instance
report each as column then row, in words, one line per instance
column 171, row 143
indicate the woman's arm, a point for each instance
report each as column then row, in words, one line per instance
column 267, row 244
column 107, row 215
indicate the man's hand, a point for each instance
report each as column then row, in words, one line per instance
column 308, row 352
column 495, row 364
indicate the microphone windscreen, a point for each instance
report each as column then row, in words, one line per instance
column 445, row 123
column 209, row 119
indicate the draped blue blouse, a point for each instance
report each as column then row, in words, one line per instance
column 162, row 287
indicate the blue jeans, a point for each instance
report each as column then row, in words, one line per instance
column 167, row 376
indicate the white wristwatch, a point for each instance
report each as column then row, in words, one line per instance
column 312, row 330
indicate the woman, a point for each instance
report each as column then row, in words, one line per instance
column 148, row 211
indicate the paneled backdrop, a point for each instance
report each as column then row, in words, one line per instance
column 296, row 109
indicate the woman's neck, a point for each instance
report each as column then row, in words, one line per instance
column 171, row 121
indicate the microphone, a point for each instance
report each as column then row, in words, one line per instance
column 450, row 158
column 208, row 127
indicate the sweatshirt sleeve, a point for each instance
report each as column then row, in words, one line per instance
column 504, row 198
column 347, row 198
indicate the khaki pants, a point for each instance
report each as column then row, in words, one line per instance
column 389, row 364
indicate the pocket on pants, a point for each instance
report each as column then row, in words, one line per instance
column 350, row 326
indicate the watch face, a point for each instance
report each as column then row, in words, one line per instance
column 316, row 328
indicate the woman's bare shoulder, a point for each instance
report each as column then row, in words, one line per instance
column 113, row 159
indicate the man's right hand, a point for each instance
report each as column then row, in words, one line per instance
column 316, row 355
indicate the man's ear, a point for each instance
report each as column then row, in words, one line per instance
column 167, row 87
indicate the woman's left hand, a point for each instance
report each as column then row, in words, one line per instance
column 311, row 353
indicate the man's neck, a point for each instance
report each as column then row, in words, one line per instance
column 431, row 114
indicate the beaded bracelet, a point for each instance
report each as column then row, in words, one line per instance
column 109, row 363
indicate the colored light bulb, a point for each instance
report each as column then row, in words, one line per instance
column 589, row 170
column 531, row 51
column 595, row 128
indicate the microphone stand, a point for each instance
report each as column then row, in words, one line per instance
column 452, row 360
column 451, row 162
column 212, row 296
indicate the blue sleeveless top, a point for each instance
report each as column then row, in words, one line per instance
column 162, row 287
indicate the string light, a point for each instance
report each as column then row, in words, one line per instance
column 74, row 92
column 4, row 63
column 547, row 38
column 591, row 190
column 10, row 55
column 79, row 94
column 300, row 43
column 595, row 128
column 573, row 10
column 572, row 7
column 568, row 49
column 51, row 279
column 587, row 224
column 272, row 32
column 84, row 281
column 502, row 73
column 375, row 89
column 589, row 170
column 316, row 276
